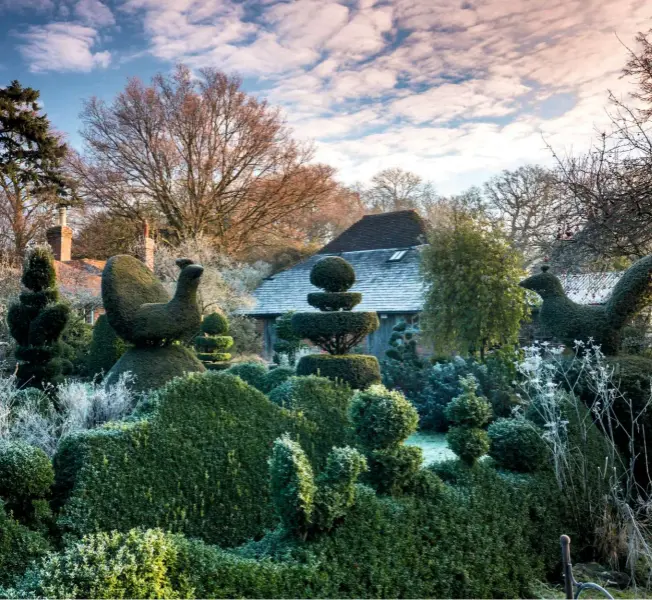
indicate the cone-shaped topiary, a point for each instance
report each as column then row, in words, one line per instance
column 139, row 309
column 211, row 344
column 106, row 348
column 468, row 412
column 336, row 329
column 37, row 321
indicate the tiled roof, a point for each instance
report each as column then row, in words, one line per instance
column 386, row 286
column 84, row 275
column 401, row 229
column 393, row 287
column 590, row 288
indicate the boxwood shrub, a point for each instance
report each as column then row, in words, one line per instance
column 357, row 370
column 195, row 462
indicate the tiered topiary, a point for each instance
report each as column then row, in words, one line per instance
column 140, row 311
column 307, row 505
column 403, row 346
column 37, row 321
column 383, row 420
column 336, row 329
column 106, row 348
column 468, row 413
column 212, row 344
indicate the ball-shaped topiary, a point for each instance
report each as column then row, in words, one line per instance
column 469, row 443
column 382, row 418
column 276, row 377
column 332, row 274
column 250, row 372
column 26, row 474
column 468, row 408
column 468, row 412
column 215, row 324
column 517, row 445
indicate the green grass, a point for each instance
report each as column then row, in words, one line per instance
column 434, row 446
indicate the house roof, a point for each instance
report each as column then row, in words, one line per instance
column 386, row 286
column 400, row 229
column 590, row 288
column 84, row 275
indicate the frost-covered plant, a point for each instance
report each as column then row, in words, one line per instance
column 41, row 420
column 598, row 482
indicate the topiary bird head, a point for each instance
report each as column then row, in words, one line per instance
column 545, row 284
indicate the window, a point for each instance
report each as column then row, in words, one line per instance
column 398, row 255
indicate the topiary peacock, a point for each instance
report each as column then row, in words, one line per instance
column 568, row 321
column 140, row 310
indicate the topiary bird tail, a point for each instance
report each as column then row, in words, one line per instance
column 631, row 294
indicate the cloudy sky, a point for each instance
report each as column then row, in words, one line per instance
column 454, row 90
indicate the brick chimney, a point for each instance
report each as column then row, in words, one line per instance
column 60, row 237
column 147, row 248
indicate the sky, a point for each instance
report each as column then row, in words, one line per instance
column 454, row 90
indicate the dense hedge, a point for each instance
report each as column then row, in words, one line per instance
column 357, row 370
column 482, row 536
column 197, row 463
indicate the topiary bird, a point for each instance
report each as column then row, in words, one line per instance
column 568, row 321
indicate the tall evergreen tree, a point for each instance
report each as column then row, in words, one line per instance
column 30, row 167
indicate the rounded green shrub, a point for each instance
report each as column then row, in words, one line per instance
column 215, row 324
column 469, row 443
column 334, row 301
column 357, row 370
column 382, row 418
column 393, row 470
column 282, row 395
column 517, row 445
column 276, row 377
column 153, row 367
column 333, row 274
column 251, row 373
column 106, row 347
column 468, row 408
column 26, row 474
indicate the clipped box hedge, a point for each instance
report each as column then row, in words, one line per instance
column 195, row 463
column 358, row 370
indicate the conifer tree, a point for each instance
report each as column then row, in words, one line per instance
column 30, row 166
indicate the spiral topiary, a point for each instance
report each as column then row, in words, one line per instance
column 468, row 412
column 37, row 321
column 212, row 343
column 335, row 328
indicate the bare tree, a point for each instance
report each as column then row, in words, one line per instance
column 396, row 189
column 610, row 187
column 201, row 154
column 527, row 204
